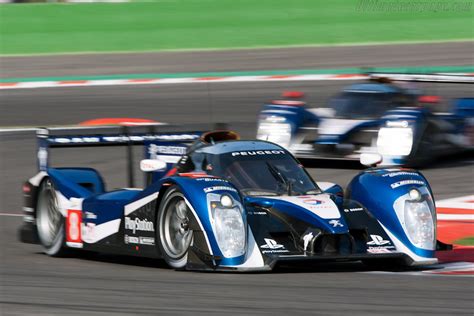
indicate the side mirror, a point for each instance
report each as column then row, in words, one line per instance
column 150, row 165
column 370, row 159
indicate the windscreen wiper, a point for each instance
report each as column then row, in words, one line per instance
column 276, row 173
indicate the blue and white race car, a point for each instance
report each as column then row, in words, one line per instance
column 379, row 116
column 214, row 202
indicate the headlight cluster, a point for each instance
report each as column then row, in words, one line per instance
column 395, row 141
column 420, row 220
column 228, row 224
column 276, row 130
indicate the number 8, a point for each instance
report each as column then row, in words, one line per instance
column 73, row 226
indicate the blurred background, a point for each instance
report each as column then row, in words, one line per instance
column 220, row 62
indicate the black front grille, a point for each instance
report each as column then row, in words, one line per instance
column 340, row 244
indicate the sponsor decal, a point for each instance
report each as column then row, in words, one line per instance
column 336, row 223
column 116, row 139
column 73, row 228
column 211, row 179
column 357, row 209
column 273, row 247
column 378, row 250
column 311, row 200
column 257, row 213
column 377, row 241
column 153, row 150
column 258, row 152
column 151, row 165
column 400, row 173
column 89, row 215
column 131, row 239
column 137, row 224
column 149, row 241
column 64, row 140
column 379, row 245
column 306, row 239
column 406, row 182
column 219, row 188
column 322, row 205
column 88, row 232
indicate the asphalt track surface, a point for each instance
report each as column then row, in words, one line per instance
column 34, row 284
column 436, row 54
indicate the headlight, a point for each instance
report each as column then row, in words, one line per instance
column 395, row 141
column 228, row 224
column 420, row 223
column 276, row 132
column 226, row 200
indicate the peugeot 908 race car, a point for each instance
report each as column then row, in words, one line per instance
column 378, row 116
column 226, row 204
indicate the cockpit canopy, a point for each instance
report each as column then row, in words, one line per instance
column 254, row 167
column 369, row 100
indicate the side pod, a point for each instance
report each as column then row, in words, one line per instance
column 203, row 196
column 402, row 202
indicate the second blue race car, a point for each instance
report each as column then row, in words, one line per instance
column 377, row 116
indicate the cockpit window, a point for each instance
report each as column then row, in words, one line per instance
column 361, row 105
column 266, row 174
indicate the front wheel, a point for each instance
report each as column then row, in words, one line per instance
column 49, row 220
column 175, row 236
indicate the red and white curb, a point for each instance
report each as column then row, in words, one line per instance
column 459, row 269
column 453, row 268
column 445, row 77
column 159, row 81
column 455, row 222
column 457, row 209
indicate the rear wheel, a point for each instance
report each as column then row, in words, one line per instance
column 175, row 236
column 49, row 220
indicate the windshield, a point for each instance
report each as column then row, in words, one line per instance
column 276, row 174
column 360, row 105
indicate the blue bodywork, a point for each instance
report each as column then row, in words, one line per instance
column 322, row 134
column 278, row 227
column 373, row 190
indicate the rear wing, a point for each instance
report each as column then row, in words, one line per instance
column 419, row 77
column 150, row 136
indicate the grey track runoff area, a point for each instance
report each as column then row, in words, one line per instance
column 34, row 284
column 435, row 54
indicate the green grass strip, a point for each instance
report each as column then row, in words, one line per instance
column 469, row 241
column 219, row 24
column 453, row 69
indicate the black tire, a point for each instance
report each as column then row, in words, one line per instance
column 173, row 233
column 49, row 220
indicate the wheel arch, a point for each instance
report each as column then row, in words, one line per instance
column 202, row 252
